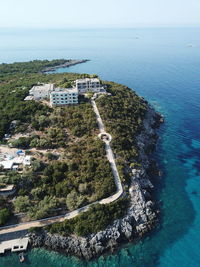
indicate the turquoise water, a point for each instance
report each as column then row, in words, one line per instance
column 161, row 66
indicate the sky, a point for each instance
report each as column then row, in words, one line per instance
column 98, row 13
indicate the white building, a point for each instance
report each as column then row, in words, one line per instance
column 7, row 164
column 27, row 161
column 61, row 96
column 88, row 85
column 41, row 91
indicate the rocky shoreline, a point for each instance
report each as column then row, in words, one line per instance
column 141, row 215
column 67, row 64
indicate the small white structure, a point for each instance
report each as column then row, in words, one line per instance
column 7, row 136
column 88, row 85
column 27, row 161
column 15, row 167
column 13, row 124
column 7, row 190
column 14, row 245
column 29, row 98
column 61, row 96
column 18, row 160
column 13, row 163
column 40, row 91
column 7, row 164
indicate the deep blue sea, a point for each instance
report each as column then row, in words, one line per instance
column 162, row 65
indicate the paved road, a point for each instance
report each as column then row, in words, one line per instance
column 110, row 156
column 72, row 214
column 99, row 120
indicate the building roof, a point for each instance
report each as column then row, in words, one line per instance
column 87, row 80
column 7, row 188
column 18, row 160
column 65, row 90
column 20, row 244
column 28, row 98
column 15, row 167
column 94, row 80
column 27, row 160
column 14, row 122
column 7, row 164
column 44, row 87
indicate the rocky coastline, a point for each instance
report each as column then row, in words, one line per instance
column 141, row 215
column 67, row 64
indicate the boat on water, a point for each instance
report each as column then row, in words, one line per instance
column 190, row 45
column 21, row 257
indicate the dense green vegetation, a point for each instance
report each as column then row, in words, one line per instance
column 14, row 87
column 4, row 215
column 83, row 177
column 69, row 169
column 4, row 211
column 79, row 173
column 95, row 219
column 123, row 114
column 34, row 66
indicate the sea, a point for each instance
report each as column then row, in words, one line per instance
column 163, row 66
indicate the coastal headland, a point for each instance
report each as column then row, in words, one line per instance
column 83, row 185
column 66, row 64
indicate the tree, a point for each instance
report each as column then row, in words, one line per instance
column 44, row 143
column 94, row 76
column 51, row 156
column 22, row 203
column 43, row 209
column 4, row 215
column 74, row 200
column 67, row 85
column 43, row 121
column 37, row 165
column 22, row 142
column 38, row 193
column 82, row 188
column 71, row 200
column 34, row 142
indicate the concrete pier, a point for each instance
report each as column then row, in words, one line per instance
column 15, row 245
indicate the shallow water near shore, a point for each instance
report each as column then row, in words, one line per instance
column 160, row 66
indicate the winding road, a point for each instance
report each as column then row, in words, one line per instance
column 106, row 138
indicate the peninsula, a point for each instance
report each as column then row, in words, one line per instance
column 75, row 159
column 65, row 64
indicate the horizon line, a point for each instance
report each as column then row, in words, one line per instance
column 100, row 27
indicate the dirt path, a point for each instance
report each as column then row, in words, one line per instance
column 72, row 214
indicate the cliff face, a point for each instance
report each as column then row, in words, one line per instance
column 140, row 217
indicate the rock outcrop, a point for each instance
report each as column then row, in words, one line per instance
column 141, row 214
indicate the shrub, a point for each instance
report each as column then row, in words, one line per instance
column 95, row 219
column 4, row 215
column 22, row 142
column 22, row 203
